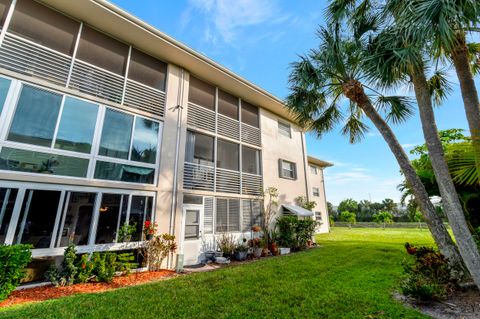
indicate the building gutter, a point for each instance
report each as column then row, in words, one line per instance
column 305, row 166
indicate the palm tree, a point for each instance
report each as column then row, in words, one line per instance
column 445, row 25
column 394, row 58
column 321, row 81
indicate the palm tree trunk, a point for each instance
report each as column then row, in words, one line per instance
column 453, row 208
column 355, row 92
column 469, row 94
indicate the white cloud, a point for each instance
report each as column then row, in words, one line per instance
column 408, row 146
column 226, row 18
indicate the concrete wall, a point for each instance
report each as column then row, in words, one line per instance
column 276, row 146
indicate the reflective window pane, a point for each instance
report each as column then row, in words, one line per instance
column 36, row 162
column 35, row 117
column 192, row 227
column 138, row 210
column 7, row 202
column 227, row 155
column 250, row 160
column 77, row 219
column 108, row 218
column 4, row 86
column 37, row 218
column 145, row 140
column 4, row 5
column 124, row 173
column 117, row 129
column 77, row 126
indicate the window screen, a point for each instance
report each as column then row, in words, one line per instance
column 199, row 148
column 227, row 155
column 227, row 105
column 147, row 70
column 201, row 93
column 250, row 160
column 249, row 114
column 284, row 129
column 45, row 26
column 103, row 51
column 227, row 215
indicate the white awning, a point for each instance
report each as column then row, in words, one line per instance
column 297, row 210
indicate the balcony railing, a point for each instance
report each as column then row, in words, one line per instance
column 26, row 57
column 200, row 117
column 228, row 127
column 251, row 135
column 144, row 98
column 199, row 177
column 252, row 184
column 227, row 181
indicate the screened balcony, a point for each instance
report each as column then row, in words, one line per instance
column 45, row 44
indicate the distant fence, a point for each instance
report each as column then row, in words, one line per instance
column 376, row 225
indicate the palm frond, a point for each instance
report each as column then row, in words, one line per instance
column 397, row 109
column 474, row 56
column 439, row 87
column 462, row 165
column 354, row 128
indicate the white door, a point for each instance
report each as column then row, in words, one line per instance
column 192, row 234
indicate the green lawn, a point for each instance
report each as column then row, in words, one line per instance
column 351, row 275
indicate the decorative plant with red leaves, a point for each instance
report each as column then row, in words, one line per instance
column 149, row 228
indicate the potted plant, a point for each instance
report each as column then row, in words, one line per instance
column 241, row 251
column 255, row 244
column 149, row 229
column 226, row 244
column 126, row 232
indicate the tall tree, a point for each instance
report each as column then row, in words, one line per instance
column 445, row 24
column 333, row 72
column 396, row 57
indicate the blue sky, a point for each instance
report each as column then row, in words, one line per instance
column 258, row 39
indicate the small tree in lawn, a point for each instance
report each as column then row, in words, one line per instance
column 383, row 218
column 349, row 218
column 270, row 196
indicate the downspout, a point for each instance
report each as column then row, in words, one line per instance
column 179, row 108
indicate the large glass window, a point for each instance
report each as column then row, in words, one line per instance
column 38, row 162
column 124, row 173
column 77, row 126
column 7, row 202
column 45, row 26
column 227, row 155
column 37, row 218
column 201, row 93
column 147, row 70
column 116, row 134
column 250, row 160
column 145, row 140
column 250, row 114
column 35, row 117
column 4, row 86
column 199, row 149
column 76, row 219
column 252, row 212
column 108, row 218
column 141, row 210
column 101, row 50
column 227, row 105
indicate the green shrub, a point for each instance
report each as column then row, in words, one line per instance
column 13, row 260
column 67, row 275
column 85, row 269
column 104, row 266
column 429, row 276
column 295, row 233
column 383, row 218
column 348, row 217
column 125, row 263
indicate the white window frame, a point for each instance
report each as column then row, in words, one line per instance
column 8, row 113
column 282, row 169
column 64, row 189
column 316, row 191
column 313, row 169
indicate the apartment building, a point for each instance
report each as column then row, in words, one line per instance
column 317, row 192
column 106, row 121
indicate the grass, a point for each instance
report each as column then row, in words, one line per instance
column 352, row 275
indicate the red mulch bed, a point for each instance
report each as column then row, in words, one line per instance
column 50, row 292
